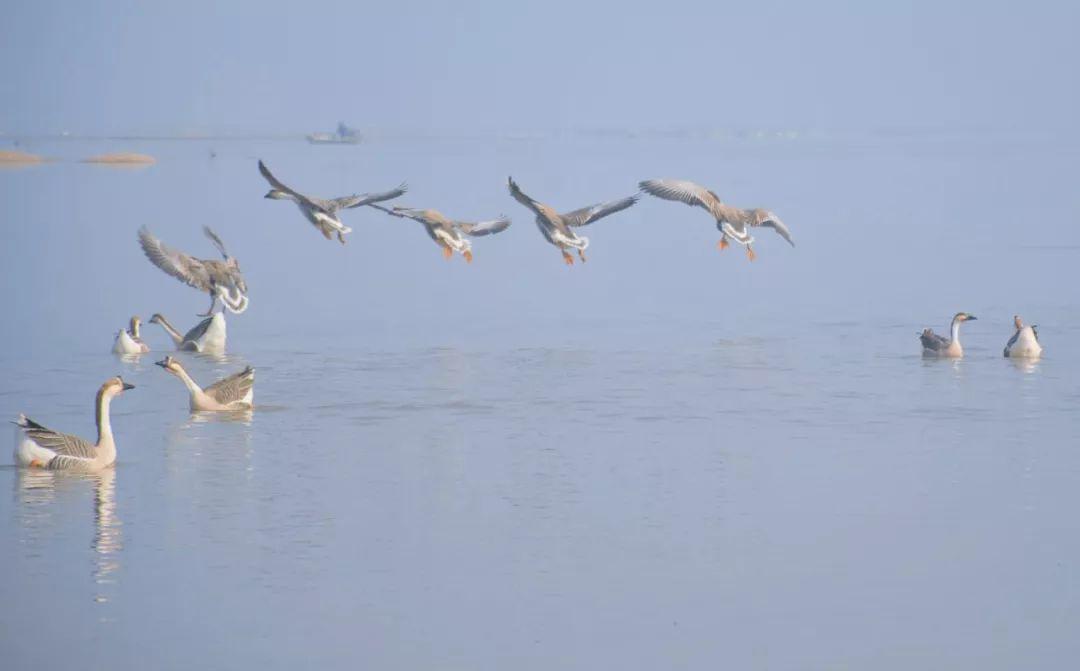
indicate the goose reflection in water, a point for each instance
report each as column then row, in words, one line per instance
column 40, row 492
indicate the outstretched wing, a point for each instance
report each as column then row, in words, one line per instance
column 770, row 220
column 368, row 198
column 280, row 186
column 480, row 228
column 187, row 269
column 216, row 240
column 543, row 212
column 588, row 215
column 232, row 388
column 62, row 443
column 681, row 191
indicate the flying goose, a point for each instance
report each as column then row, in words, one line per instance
column 940, row 346
column 128, row 341
column 731, row 221
column 206, row 336
column 39, row 447
column 1025, row 342
column 323, row 214
column 447, row 233
column 221, row 279
column 234, row 392
column 556, row 228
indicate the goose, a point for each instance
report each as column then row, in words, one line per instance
column 221, row 279
column 206, row 336
column 556, row 228
column 234, row 392
column 38, row 447
column 323, row 214
column 1025, row 342
column 128, row 341
column 940, row 346
column 447, row 233
column 731, row 221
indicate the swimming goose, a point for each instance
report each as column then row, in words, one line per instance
column 206, row 336
column 935, row 345
column 323, row 214
column 221, row 279
column 556, row 228
column 39, row 447
column 231, row 393
column 1025, row 342
column 128, row 341
column 447, row 233
column 731, row 221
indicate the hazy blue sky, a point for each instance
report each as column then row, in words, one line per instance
column 125, row 66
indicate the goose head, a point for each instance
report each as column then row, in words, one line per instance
column 964, row 317
column 274, row 194
column 156, row 318
column 170, row 364
column 114, row 386
column 1017, row 322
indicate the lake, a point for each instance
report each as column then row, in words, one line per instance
column 668, row 457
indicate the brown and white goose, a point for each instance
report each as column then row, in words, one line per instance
column 209, row 335
column 935, row 345
column 234, row 392
column 450, row 234
column 733, row 222
column 1024, row 344
column 39, row 447
column 221, row 279
column 558, row 228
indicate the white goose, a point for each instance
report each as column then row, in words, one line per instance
column 129, row 341
column 1025, row 342
column 39, row 447
column 234, row 392
column 209, row 335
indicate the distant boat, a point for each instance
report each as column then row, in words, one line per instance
column 343, row 135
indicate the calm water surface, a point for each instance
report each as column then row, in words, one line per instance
column 666, row 458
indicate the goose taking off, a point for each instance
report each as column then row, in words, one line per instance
column 234, row 392
column 731, row 221
column 221, row 279
column 557, row 228
column 129, row 342
column 207, row 336
column 323, row 214
column 447, row 233
column 940, row 346
column 39, row 447
column 1025, row 342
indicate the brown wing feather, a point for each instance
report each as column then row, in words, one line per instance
column 232, row 388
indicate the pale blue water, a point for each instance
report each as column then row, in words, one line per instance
column 666, row 458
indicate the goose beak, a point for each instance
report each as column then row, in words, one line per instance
column 128, row 385
column 163, row 363
column 972, row 318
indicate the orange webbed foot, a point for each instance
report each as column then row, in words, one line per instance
column 567, row 259
column 750, row 254
column 723, row 244
column 581, row 253
column 447, row 253
column 468, row 256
